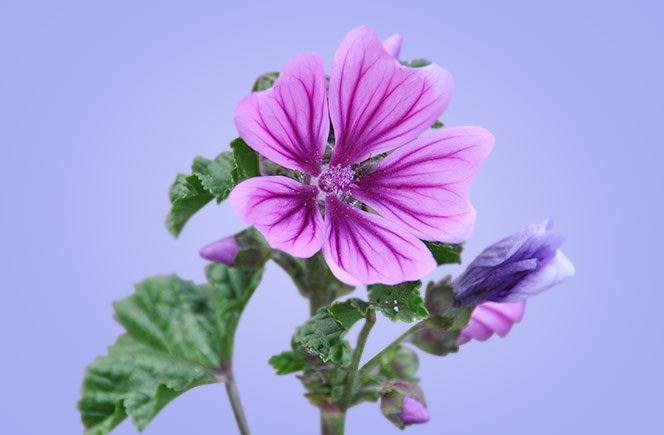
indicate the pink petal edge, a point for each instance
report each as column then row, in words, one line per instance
column 393, row 45
column 376, row 104
column 289, row 122
column 492, row 317
column 364, row 248
column 424, row 185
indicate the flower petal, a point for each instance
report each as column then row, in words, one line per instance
column 364, row 248
column 283, row 210
column 393, row 45
column 558, row 269
column 376, row 104
column 424, row 185
column 289, row 122
column 521, row 245
column 414, row 411
column 492, row 317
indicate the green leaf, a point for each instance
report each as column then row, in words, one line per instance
column 323, row 335
column 444, row 253
column 188, row 195
column 437, row 125
column 399, row 302
column 287, row 362
column 265, row 81
column 349, row 312
column 246, row 161
column 233, row 289
column 174, row 316
column 135, row 379
column 216, row 174
column 179, row 335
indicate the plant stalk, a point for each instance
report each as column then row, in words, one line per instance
column 236, row 404
column 355, row 363
column 332, row 420
column 376, row 359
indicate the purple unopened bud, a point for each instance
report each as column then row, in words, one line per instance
column 515, row 268
column 414, row 411
column 221, row 251
column 403, row 404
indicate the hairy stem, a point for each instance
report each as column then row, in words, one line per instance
column 355, row 363
column 332, row 421
column 376, row 359
column 236, row 404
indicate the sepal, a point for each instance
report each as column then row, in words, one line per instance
column 265, row 81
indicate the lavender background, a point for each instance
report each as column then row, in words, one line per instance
column 102, row 103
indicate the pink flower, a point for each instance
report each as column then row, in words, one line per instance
column 419, row 191
column 492, row 317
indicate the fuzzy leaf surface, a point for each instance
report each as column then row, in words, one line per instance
column 399, row 302
column 209, row 179
column 246, row 161
column 287, row 362
column 179, row 335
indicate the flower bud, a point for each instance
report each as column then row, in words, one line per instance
column 403, row 404
column 221, row 251
column 401, row 363
column 439, row 342
column 515, row 268
column 414, row 411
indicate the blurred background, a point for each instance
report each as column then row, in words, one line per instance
column 102, row 103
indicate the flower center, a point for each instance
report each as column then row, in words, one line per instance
column 337, row 179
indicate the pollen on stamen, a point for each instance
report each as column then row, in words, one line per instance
column 337, row 180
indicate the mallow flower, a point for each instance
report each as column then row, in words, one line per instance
column 519, row 266
column 367, row 214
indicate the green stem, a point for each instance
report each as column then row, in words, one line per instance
column 332, row 421
column 357, row 354
column 376, row 359
column 236, row 404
